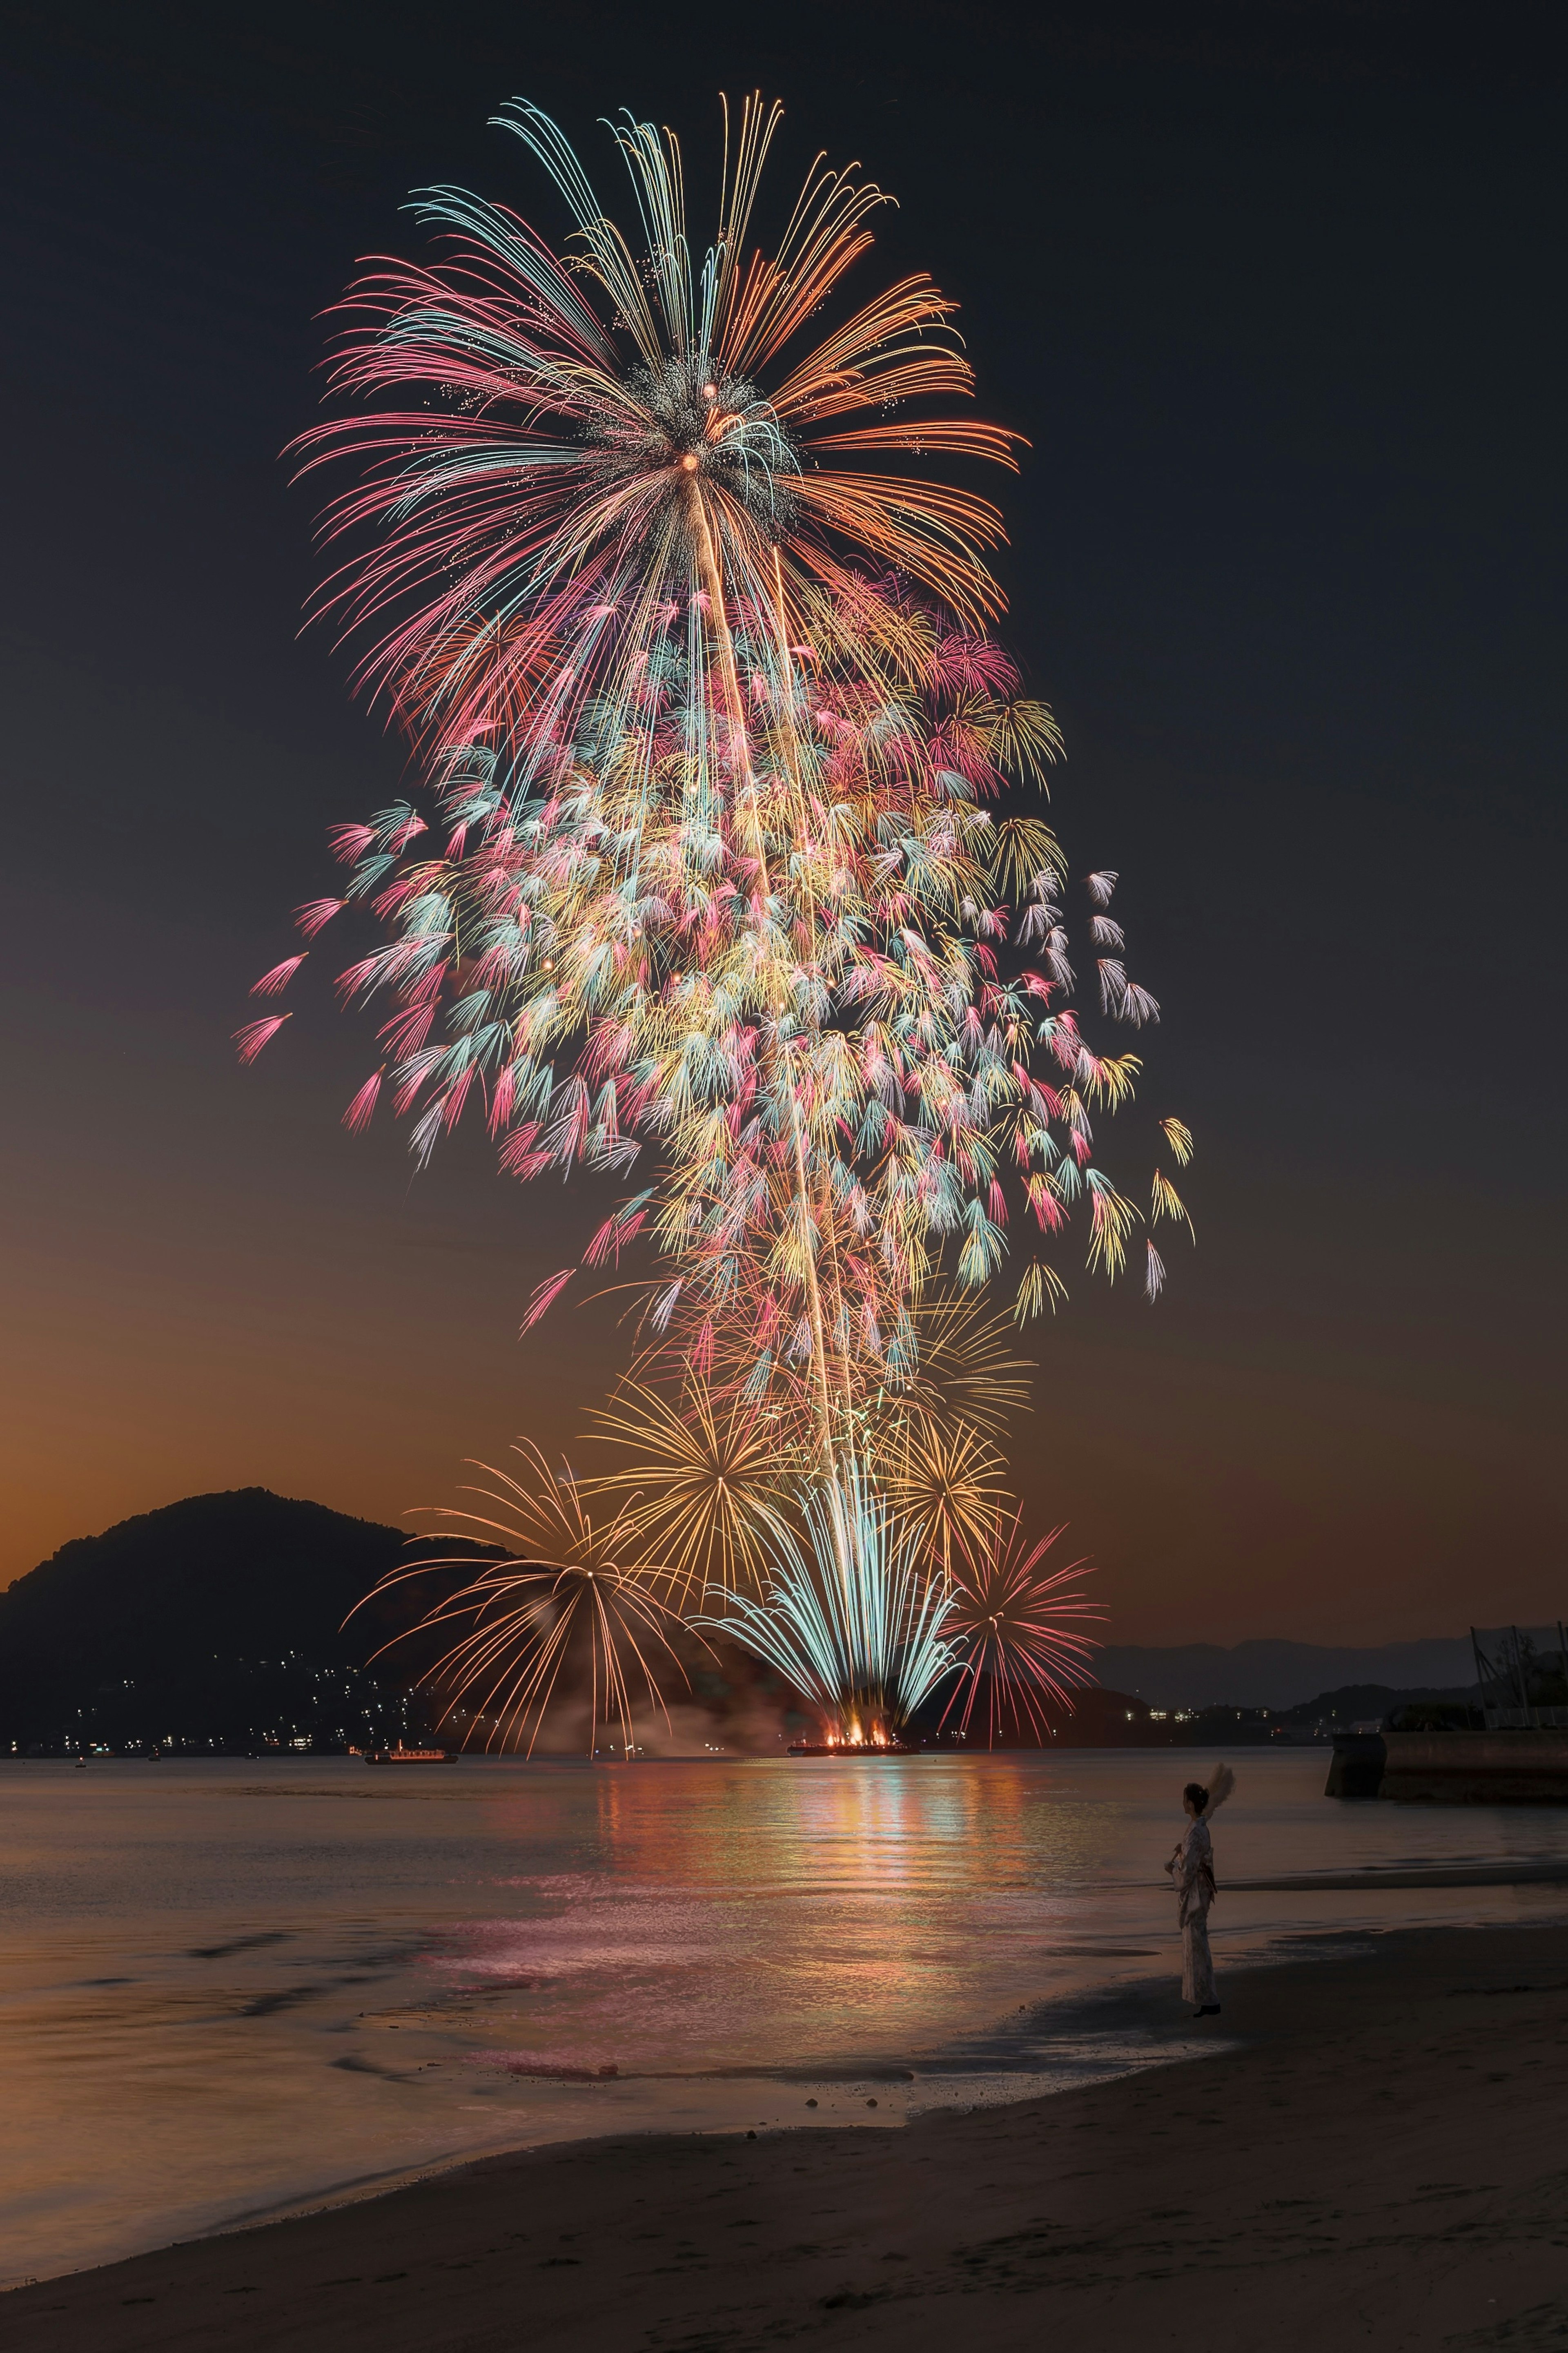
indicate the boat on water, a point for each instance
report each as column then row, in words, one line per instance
column 405, row 1755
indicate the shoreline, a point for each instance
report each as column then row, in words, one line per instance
column 1288, row 2180
column 1094, row 2034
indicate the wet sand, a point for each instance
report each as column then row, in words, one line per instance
column 1378, row 2153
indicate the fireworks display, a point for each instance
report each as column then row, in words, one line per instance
column 726, row 874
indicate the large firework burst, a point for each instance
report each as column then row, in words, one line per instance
column 707, row 1482
column 586, row 442
column 707, row 875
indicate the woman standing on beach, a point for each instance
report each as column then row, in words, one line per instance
column 1191, row 1868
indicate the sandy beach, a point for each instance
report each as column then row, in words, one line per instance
column 1375, row 2151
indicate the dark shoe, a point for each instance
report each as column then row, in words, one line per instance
column 1210, row 2009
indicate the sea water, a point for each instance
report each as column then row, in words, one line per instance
column 232, row 1989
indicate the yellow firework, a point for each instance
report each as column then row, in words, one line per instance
column 967, row 1368
column 945, row 1486
column 569, row 1608
column 705, row 1483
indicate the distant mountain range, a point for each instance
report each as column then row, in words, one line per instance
column 1278, row 1674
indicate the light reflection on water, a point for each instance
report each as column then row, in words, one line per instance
column 231, row 1986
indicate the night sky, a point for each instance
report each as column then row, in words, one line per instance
column 1275, row 293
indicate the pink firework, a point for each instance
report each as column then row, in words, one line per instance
column 1017, row 1630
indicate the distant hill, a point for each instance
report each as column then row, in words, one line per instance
column 1278, row 1674
column 215, row 1623
column 1367, row 1703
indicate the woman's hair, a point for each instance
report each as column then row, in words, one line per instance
column 1196, row 1796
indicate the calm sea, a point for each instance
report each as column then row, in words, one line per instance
column 231, row 1988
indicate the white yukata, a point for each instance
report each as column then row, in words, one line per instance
column 1192, row 1874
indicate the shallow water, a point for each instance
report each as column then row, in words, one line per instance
column 231, row 1988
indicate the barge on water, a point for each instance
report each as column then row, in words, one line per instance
column 405, row 1755
column 1509, row 1750
column 853, row 1748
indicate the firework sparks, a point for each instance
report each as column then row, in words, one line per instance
column 945, row 1484
column 582, row 444
column 1017, row 1629
column 565, row 1599
column 849, row 1618
column 707, row 1485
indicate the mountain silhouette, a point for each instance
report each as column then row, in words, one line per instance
column 217, row 1627
column 215, row 1623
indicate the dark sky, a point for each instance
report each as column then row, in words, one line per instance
column 1275, row 293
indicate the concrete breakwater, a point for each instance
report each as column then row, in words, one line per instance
column 1452, row 1768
